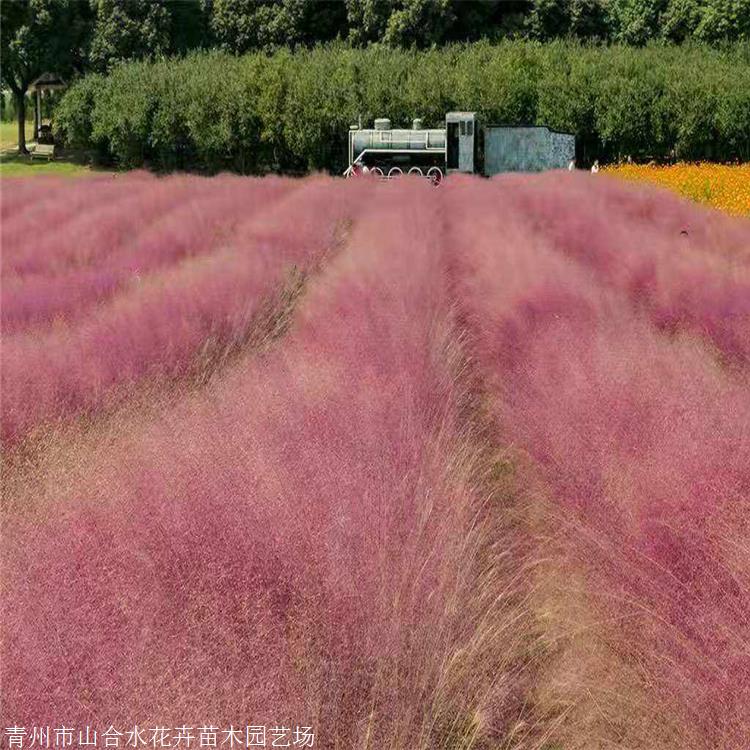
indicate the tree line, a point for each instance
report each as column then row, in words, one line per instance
column 291, row 111
column 72, row 37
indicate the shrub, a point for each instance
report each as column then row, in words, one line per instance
column 292, row 111
column 73, row 116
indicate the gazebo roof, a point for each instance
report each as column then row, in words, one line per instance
column 47, row 82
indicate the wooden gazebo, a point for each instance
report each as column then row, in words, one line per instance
column 45, row 83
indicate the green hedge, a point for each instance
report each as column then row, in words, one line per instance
column 291, row 112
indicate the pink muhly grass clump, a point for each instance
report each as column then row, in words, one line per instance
column 16, row 193
column 323, row 570
column 190, row 225
column 27, row 215
column 98, row 228
column 160, row 326
column 641, row 438
column 698, row 281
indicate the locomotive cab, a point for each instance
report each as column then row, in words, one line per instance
column 462, row 138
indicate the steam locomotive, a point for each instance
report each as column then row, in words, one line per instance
column 463, row 145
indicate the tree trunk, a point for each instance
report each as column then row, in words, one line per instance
column 21, row 112
column 37, row 118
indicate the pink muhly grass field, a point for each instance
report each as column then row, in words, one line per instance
column 160, row 325
column 323, row 570
column 36, row 207
column 688, row 268
column 172, row 225
column 434, row 423
column 639, row 433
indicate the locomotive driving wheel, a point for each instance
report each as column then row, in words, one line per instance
column 435, row 175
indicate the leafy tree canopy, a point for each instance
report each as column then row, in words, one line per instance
column 243, row 25
column 38, row 36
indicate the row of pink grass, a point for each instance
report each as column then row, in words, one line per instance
column 34, row 209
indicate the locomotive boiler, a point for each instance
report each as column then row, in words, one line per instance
column 463, row 145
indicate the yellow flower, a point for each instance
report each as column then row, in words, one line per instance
column 723, row 186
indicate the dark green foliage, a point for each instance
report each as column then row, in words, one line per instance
column 38, row 36
column 583, row 19
column 638, row 22
column 145, row 29
column 724, row 20
column 128, row 30
column 189, row 25
column 242, row 25
column 291, row 111
column 681, row 18
column 635, row 21
column 245, row 25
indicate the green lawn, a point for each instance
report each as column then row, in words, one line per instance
column 14, row 165
column 9, row 134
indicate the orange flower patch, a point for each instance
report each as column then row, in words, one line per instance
column 723, row 186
